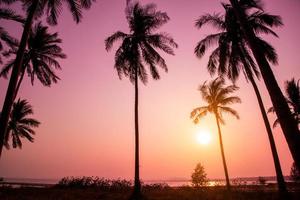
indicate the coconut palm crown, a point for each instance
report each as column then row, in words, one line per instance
column 20, row 126
column 138, row 48
column 40, row 57
column 232, row 54
column 218, row 99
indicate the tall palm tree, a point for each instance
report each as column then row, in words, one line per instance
column 20, row 126
column 231, row 57
column 286, row 120
column 292, row 92
column 216, row 94
column 35, row 9
column 39, row 57
column 5, row 38
column 137, row 49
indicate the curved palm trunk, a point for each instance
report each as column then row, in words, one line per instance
column 10, row 94
column 287, row 122
column 279, row 175
column 137, row 182
column 223, row 154
column 19, row 83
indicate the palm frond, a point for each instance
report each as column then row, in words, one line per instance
column 250, row 4
column 16, row 142
column 208, row 41
column 154, row 56
column 86, row 3
column 75, row 8
column 9, row 40
column 264, row 18
column 6, row 68
column 216, row 20
column 213, row 61
column 9, row 14
column 113, row 38
column 268, row 50
column 162, row 41
column 293, row 91
column 149, row 60
column 230, row 100
column 139, row 47
column 229, row 111
column 198, row 113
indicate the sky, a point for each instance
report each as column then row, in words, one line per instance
column 88, row 117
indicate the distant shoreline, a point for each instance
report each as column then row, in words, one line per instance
column 31, row 182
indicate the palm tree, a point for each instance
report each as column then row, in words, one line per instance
column 216, row 94
column 231, row 56
column 286, row 120
column 39, row 57
column 138, row 48
column 35, row 9
column 20, row 126
column 292, row 91
column 5, row 38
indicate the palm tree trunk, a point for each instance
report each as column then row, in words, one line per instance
column 19, row 83
column 279, row 175
column 287, row 122
column 10, row 94
column 137, row 183
column 222, row 152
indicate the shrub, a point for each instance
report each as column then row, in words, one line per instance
column 93, row 182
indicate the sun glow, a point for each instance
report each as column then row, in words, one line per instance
column 203, row 137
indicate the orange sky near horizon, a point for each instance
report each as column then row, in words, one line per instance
column 88, row 117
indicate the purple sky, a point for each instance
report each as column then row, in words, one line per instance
column 87, row 118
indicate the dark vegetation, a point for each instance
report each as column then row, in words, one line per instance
column 154, row 192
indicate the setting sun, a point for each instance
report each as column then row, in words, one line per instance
column 203, row 137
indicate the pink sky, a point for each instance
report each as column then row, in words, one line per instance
column 87, row 118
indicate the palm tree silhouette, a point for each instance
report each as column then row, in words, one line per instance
column 216, row 94
column 39, row 58
column 138, row 48
column 292, row 91
column 19, row 125
column 5, row 38
column 231, row 57
column 288, row 124
column 35, row 9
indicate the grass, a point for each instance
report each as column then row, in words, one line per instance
column 151, row 193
